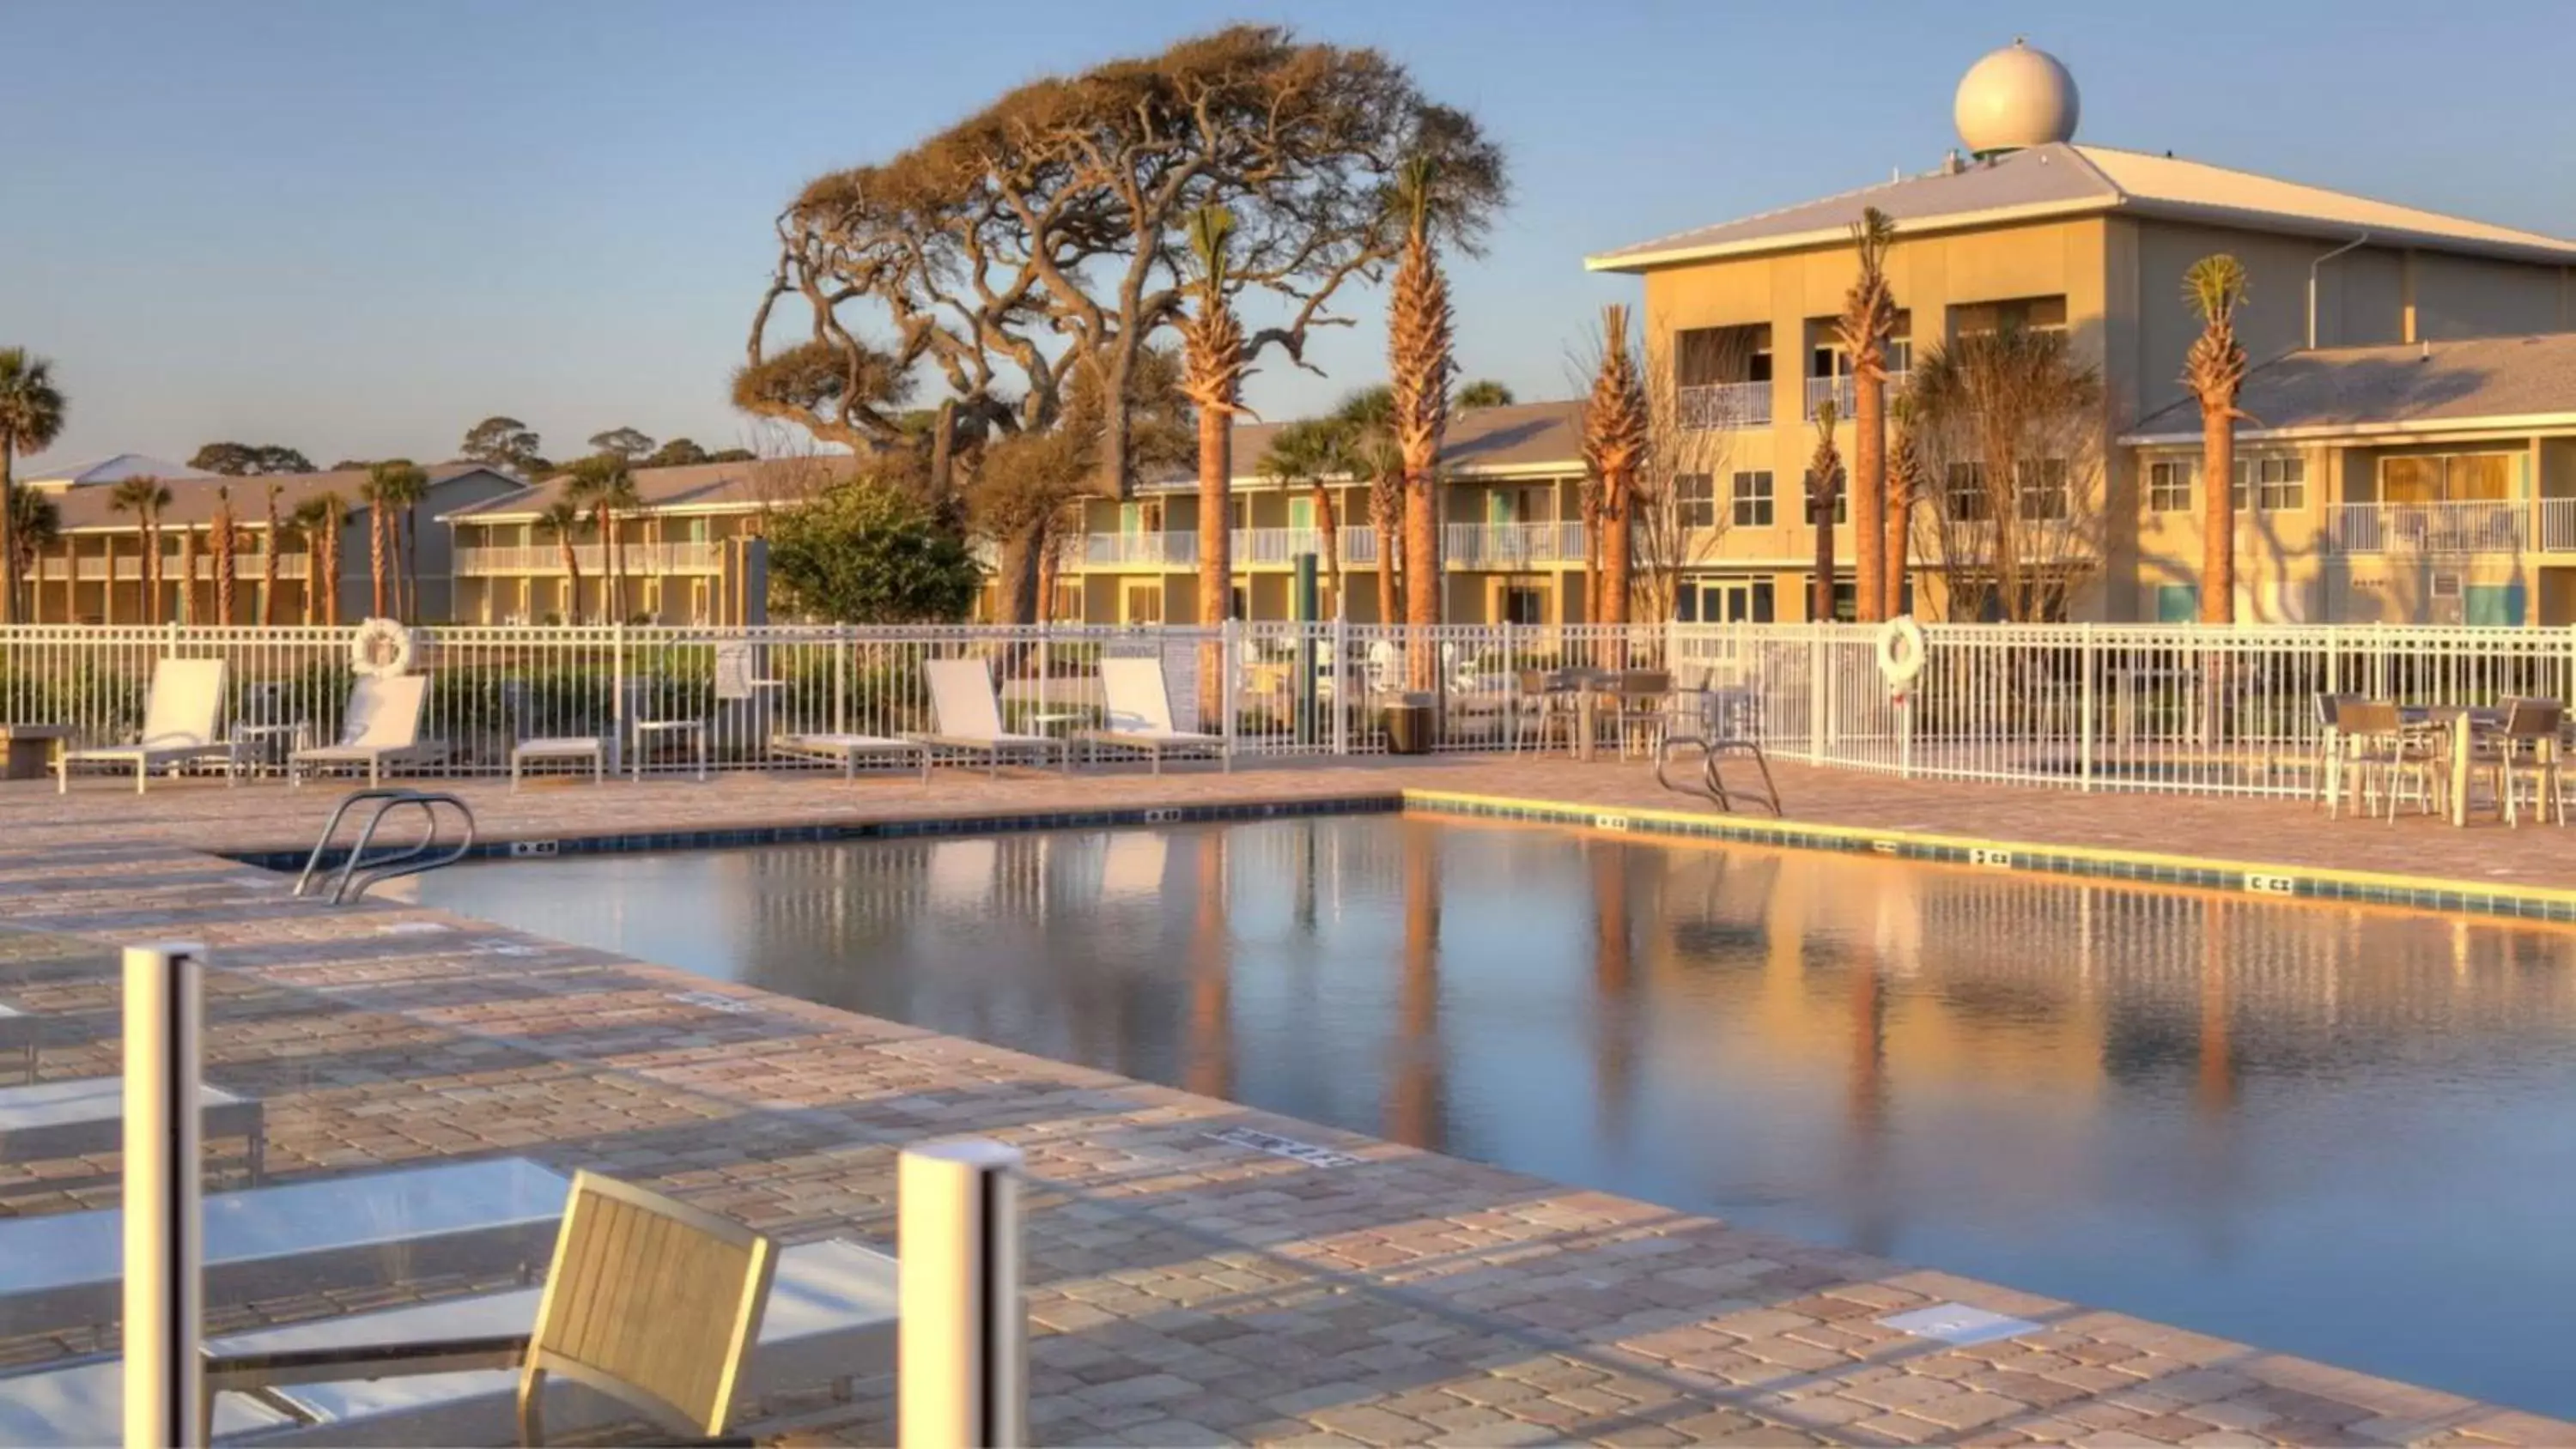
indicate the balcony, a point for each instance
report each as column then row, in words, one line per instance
column 1837, row 390
column 639, row 560
column 1510, row 545
column 2498, row 526
column 1146, row 550
column 2558, row 525
column 1725, row 405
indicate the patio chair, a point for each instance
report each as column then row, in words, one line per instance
column 967, row 718
column 2388, row 753
column 2529, row 748
column 382, row 725
column 847, row 750
column 527, row 749
column 2333, row 749
column 1643, row 709
column 1137, row 715
column 180, row 714
column 655, row 712
column 1544, row 698
column 649, row 1301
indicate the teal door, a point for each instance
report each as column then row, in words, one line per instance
column 2493, row 606
column 2177, row 603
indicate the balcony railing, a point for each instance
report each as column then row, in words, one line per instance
column 1839, row 389
column 1725, row 405
column 2558, row 525
column 2500, row 526
column 129, row 568
column 639, row 560
column 1510, row 545
column 1112, row 549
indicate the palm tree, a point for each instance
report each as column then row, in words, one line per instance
column 2215, row 371
column 605, row 485
column 1867, row 325
column 1906, row 472
column 1368, row 417
column 1615, row 436
column 1307, row 453
column 1824, row 483
column 1420, row 367
column 145, row 496
column 31, row 417
column 1484, row 392
column 1212, row 379
column 188, row 574
column 268, row 562
column 35, row 524
column 393, row 488
column 561, row 518
column 322, row 517
column 225, row 539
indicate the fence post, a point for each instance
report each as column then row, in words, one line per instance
column 1815, row 693
column 164, row 1301
column 1229, row 667
column 617, row 694
column 842, row 644
column 1341, row 683
column 962, row 1332
column 2084, row 711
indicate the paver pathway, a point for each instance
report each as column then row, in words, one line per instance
column 1184, row 1289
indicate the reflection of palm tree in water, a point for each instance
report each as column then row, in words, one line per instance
column 1614, row 1064
column 2215, row 1090
column 1413, row 1097
column 1210, row 1068
column 1865, row 1111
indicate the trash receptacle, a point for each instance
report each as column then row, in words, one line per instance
column 1408, row 725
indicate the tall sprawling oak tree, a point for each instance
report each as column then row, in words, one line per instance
column 1042, row 238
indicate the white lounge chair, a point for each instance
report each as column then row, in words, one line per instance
column 45, row 1120
column 848, row 750
column 1139, row 715
column 180, row 714
column 383, row 724
column 967, row 716
column 496, row 1215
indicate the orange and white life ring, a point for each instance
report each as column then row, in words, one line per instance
column 382, row 648
column 1900, row 651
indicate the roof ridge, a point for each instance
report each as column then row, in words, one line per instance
column 2271, row 179
column 1780, row 210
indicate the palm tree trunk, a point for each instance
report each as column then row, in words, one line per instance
column 1216, row 552
column 152, row 571
column 330, row 575
column 9, row 529
column 410, row 527
column 572, row 572
column 1328, row 525
column 1820, row 601
column 1871, row 602
column 376, row 555
column 1390, row 560
column 71, row 581
column 188, row 575
column 1015, row 585
column 1900, row 514
column 2217, row 516
column 1616, row 545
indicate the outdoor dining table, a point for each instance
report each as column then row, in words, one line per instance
column 2461, row 725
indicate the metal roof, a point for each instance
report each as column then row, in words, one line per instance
column 2064, row 179
column 2413, row 387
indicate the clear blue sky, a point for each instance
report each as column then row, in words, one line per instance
column 356, row 228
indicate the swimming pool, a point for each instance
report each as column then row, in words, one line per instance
column 2340, row 1132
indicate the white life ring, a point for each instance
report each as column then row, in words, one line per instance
column 1900, row 651
column 382, row 648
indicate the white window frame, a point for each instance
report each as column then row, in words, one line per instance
column 1752, row 505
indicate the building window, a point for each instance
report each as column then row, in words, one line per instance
column 2042, row 495
column 2169, row 487
column 2023, row 314
column 2447, row 478
column 1695, row 499
column 1524, row 604
column 1144, row 603
column 1753, row 499
column 1965, row 488
column 2278, row 484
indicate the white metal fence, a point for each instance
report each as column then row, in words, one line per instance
column 2093, row 707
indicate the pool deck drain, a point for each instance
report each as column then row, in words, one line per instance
column 1189, row 1282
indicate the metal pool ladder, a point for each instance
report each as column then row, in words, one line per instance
column 357, row 874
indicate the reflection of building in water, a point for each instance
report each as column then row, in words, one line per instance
column 1414, row 1111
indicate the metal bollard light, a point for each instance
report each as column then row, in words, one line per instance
column 962, row 1346
column 164, row 1250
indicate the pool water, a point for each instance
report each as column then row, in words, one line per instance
column 2342, row 1132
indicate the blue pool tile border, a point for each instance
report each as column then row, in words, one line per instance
column 740, row 836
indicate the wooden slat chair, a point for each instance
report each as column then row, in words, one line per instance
column 650, row 1301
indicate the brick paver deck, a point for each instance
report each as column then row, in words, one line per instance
column 1183, row 1289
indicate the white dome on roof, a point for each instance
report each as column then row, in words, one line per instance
column 2015, row 97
